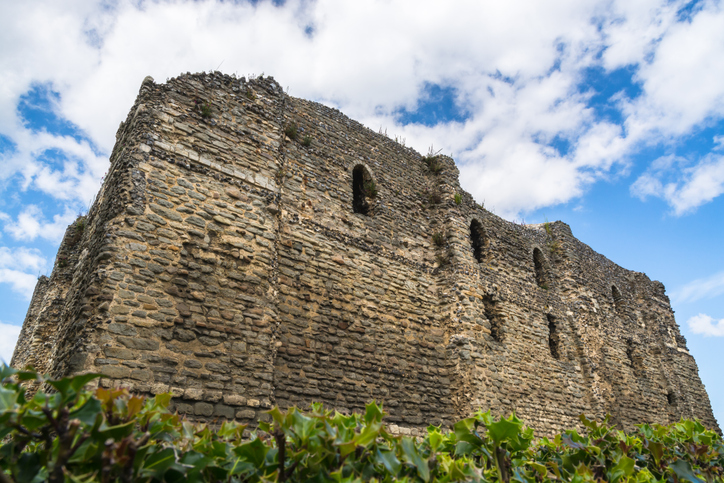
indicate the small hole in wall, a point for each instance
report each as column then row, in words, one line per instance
column 671, row 398
column 617, row 297
column 496, row 321
column 634, row 356
column 538, row 264
column 477, row 239
column 554, row 337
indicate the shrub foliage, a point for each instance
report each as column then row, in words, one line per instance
column 72, row 434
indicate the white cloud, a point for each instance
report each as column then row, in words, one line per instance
column 31, row 224
column 703, row 288
column 682, row 83
column 706, row 325
column 516, row 67
column 683, row 187
column 19, row 267
column 8, row 338
column 718, row 143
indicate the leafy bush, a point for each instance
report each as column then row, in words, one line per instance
column 76, row 435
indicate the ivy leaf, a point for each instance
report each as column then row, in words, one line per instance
column 624, row 468
column 388, row 459
column 28, row 467
column 683, row 471
column 504, row 429
column 7, row 399
column 373, row 413
column 88, row 412
column 254, row 452
column 657, row 450
column 159, row 462
column 409, row 451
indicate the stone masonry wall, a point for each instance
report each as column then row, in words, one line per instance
column 240, row 263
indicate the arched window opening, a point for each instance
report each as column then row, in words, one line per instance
column 539, row 264
column 363, row 189
column 554, row 337
column 477, row 239
column 617, row 298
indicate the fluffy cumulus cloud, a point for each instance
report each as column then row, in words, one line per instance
column 8, row 337
column 683, row 184
column 706, row 326
column 31, row 224
column 19, row 268
column 528, row 134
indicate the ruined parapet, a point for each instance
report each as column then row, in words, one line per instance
column 250, row 249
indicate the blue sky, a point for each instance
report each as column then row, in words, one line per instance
column 608, row 115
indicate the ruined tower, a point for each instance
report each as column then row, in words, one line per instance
column 248, row 248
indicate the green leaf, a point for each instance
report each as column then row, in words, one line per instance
column 657, row 450
column 302, row 425
column 368, row 435
column 435, row 438
column 388, row 460
column 504, row 429
column 276, row 415
column 683, row 471
column 373, row 413
column 28, row 467
column 623, row 468
column 158, row 462
column 88, row 412
column 6, row 371
column 254, row 452
column 77, row 382
column 7, row 399
column 409, row 452
column 117, row 432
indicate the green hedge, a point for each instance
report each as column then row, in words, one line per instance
column 75, row 435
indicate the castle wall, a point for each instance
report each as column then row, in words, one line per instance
column 240, row 266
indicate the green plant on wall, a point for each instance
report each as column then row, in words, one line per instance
column 205, row 110
column 438, row 239
column 291, row 131
column 307, row 141
column 370, row 188
column 458, row 198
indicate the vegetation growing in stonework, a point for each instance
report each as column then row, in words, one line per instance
column 370, row 188
column 554, row 246
column 438, row 239
column 291, row 131
column 71, row 434
column 433, row 163
column 204, row 108
column 458, row 198
column 307, row 141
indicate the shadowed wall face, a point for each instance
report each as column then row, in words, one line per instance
column 239, row 268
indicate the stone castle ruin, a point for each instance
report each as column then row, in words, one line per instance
column 250, row 249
